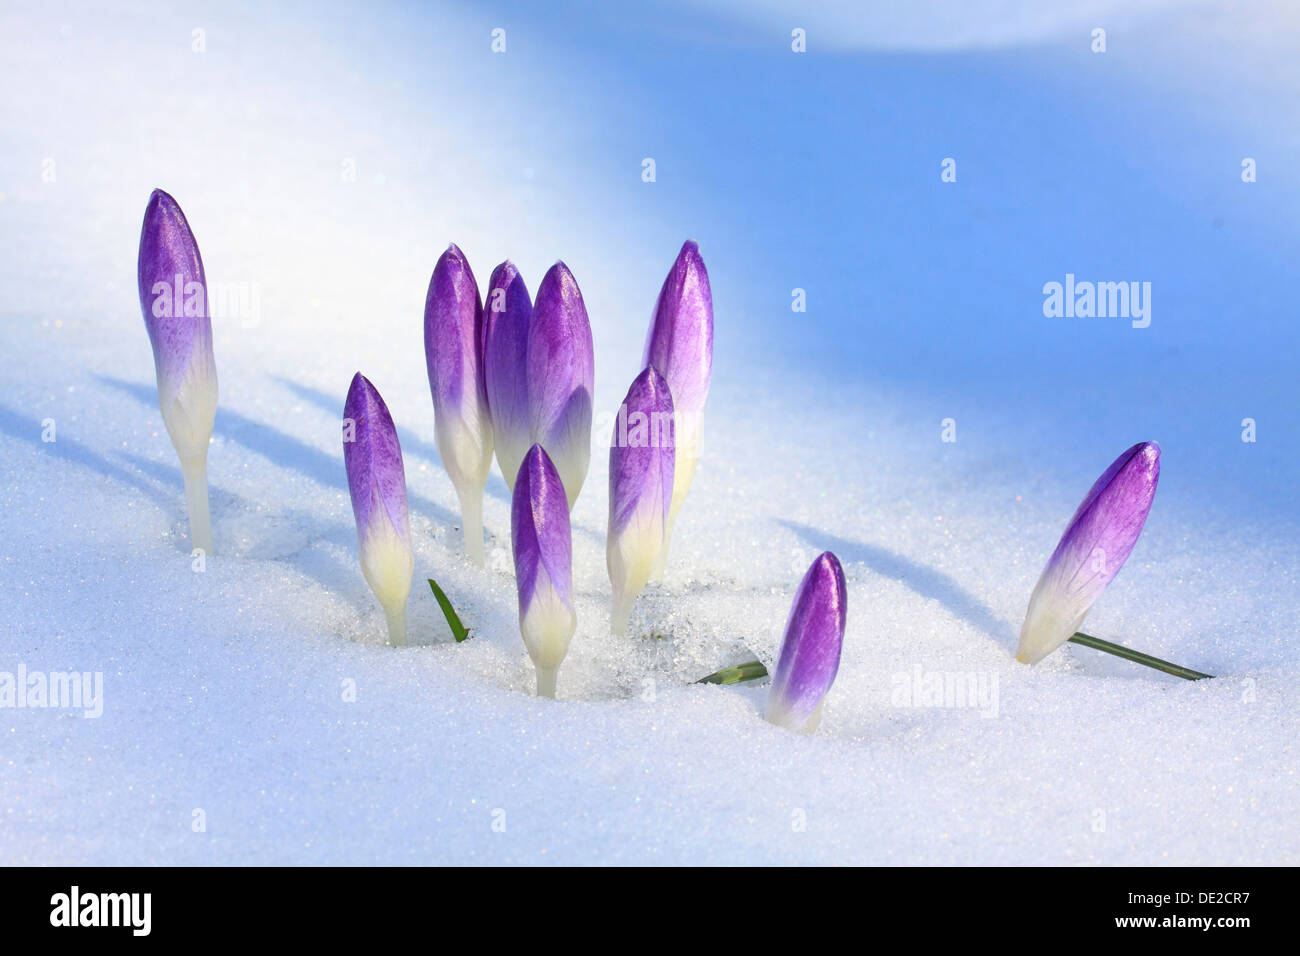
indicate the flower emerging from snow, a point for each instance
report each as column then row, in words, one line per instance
column 1096, row 543
column 174, row 300
column 453, row 343
column 561, row 377
column 680, row 345
column 810, row 650
column 539, row 522
column 377, row 483
column 507, row 314
column 641, row 458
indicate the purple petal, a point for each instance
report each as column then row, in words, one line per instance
column 453, row 331
column 641, row 454
column 810, row 650
column 507, row 313
column 561, row 376
column 539, row 522
column 680, row 340
column 373, row 460
column 1095, row 545
column 173, row 294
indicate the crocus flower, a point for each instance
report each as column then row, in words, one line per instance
column 539, row 523
column 1096, row 543
column 377, row 483
column 507, row 313
column 561, row 377
column 641, row 458
column 453, row 337
column 680, row 345
column 174, row 300
column 810, row 650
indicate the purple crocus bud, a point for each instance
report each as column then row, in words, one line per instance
column 810, row 650
column 680, row 346
column 561, row 377
column 174, row 300
column 377, row 483
column 539, row 523
column 453, row 343
column 507, row 313
column 641, row 456
column 1096, row 543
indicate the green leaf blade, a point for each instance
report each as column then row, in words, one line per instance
column 458, row 630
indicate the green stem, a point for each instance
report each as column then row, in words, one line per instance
column 1137, row 657
column 753, row 670
column 750, row 670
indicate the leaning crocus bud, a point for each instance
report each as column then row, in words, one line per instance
column 539, row 523
column 640, row 489
column 174, row 300
column 561, row 377
column 453, row 336
column 680, row 345
column 507, row 312
column 377, row 482
column 1096, row 543
column 810, row 650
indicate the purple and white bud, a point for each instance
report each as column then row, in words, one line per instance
column 453, row 351
column 377, row 484
column 174, row 300
column 810, row 650
column 561, row 377
column 1095, row 545
column 641, row 455
column 543, row 549
column 680, row 345
column 507, row 314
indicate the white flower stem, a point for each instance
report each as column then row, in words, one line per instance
column 196, row 500
column 546, row 681
column 620, row 611
column 396, row 617
column 471, row 519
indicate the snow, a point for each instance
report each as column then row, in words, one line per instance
column 229, row 691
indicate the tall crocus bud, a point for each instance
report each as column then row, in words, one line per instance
column 539, row 524
column 810, row 650
column 561, row 377
column 680, row 345
column 641, row 456
column 453, row 343
column 377, row 483
column 1096, row 543
column 507, row 313
column 174, row 300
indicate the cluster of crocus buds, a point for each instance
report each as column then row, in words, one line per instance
column 543, row 551
column 372, row 456
column 810, row 648
column 679, row 345
column 1095, row 545
column 174, row 300
column 518, row 379
column 510, row 375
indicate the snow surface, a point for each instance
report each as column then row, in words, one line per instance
column 225, row 690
